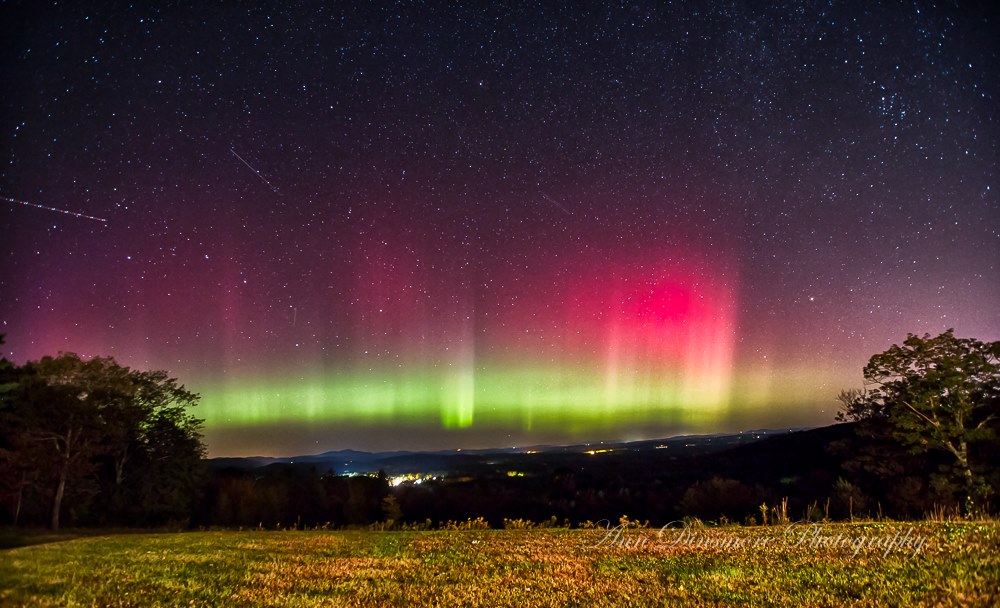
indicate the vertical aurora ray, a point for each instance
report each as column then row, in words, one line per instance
column 458, row 399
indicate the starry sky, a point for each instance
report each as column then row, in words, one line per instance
column 429, row 225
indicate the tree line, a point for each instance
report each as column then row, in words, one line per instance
column 100, row 444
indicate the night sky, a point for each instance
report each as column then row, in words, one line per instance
column 423, row 226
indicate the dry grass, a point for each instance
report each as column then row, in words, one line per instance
column 957, row 564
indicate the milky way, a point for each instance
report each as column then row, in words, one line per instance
column 427, row 226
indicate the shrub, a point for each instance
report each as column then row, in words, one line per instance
column 470, row 524
column 517, row 524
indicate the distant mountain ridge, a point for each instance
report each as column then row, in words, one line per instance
column 347, row 461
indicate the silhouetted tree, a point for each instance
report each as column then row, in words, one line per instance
column 933, row 393
column 153, row 449
column 71, row 422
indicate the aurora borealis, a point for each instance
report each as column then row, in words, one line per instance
column 428, row 225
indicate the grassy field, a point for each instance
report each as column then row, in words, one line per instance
column 872, row 564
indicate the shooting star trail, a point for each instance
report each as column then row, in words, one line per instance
column 554, row 202
column 57, row 210
column 256, row 172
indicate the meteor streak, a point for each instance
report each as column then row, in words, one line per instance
column 57, row 210
column 256, row 172
column 556, row 203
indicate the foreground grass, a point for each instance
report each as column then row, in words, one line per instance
column 875, row 564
